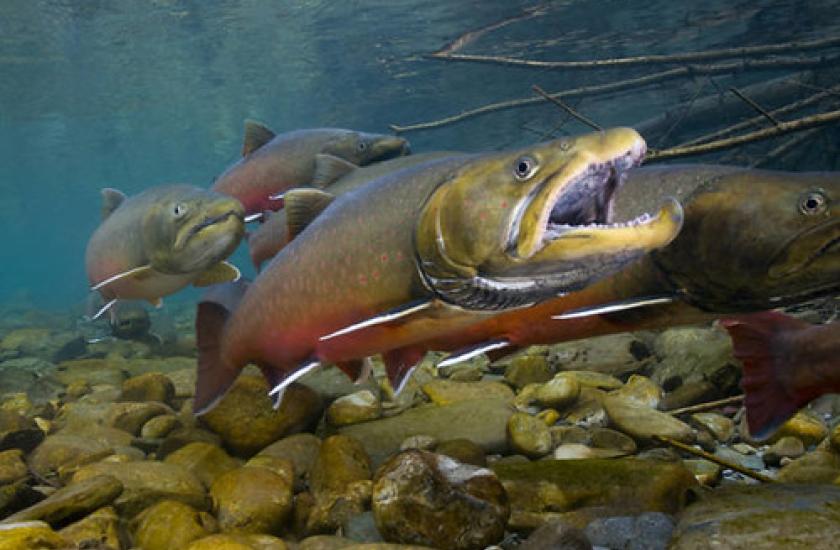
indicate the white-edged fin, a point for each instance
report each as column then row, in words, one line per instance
column 277, row 197
column 366, row 372
column 405, row 380
column 387, row 317
column 613, row 307
column 466, row 354
column 125, row 274
column 103, row 309
column 276, row 393
column 254, row 217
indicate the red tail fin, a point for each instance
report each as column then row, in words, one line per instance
column 215, row 375
column 757, row 343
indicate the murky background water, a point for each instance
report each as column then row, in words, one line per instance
column 131, row 94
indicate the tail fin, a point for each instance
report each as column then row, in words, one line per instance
column 757, row 343
column 215, row 375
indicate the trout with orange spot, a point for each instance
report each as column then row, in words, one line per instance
column 409, row 245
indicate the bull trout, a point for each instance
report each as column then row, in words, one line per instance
column 271, row 163
column 787, row 363
column 161, row 240
column 487, row 233
column 752, row 240
column 272, row 235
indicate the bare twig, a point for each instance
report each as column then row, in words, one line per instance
column 754, row 105
column 566, row 108
column 708, row 405
column 448, row 53
column 687, row 110
column 714, row 458
column 785, row 147
column 670, row 74
column 471, row 36
column 789, row 108
column 783, row 128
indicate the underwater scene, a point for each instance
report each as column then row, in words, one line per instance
column 442, row 274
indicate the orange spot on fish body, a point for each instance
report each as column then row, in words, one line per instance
column 375, row 275
column 362, row 280
column 504, row 204
column 384, row 258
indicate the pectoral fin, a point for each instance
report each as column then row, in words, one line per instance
column 302, row 206
column 222, row 272
column 614, row 307
column 329, row 168
column 256, row 135
column 465, row 354
column 138, row 273
column 398, row 313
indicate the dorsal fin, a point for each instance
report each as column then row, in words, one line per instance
column 302, row 206
column 329, row 168
column 111, row 200
column 256, row 135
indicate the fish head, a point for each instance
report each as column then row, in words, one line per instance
column 362, row 148
column 758, row 239
column 129, row 320
column 508, row 229
column 189, row 229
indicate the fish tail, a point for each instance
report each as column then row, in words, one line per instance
column 215, row 373
column 757, row 342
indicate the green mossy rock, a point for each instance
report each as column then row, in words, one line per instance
column 444, row 392
column 102, row 527
column 28, row 535
column 205, row 460
column 301, row 449
column 251, row 500
column 151, row 386
column 73, row 501
column 171, row 524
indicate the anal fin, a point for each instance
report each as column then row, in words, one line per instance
column 399, row 364
column 465, row 354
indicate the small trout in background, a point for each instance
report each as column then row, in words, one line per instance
column 161, row 240
column 273, row 163
column 787, row 363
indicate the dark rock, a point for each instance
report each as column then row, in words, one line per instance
column 18, row 432
column 362, row 528
column 650, row 531
column 424, row 498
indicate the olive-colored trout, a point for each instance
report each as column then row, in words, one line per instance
column 272, row 163
column 161, row 240
column 484, row 233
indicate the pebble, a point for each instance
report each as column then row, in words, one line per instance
column 204, row 460
column 463, row 450
column 30, row 534
column 556, row 535
column 252, row 500
column 529, row 435
column 528, row 369
column 159, row 427
column 12, row 467
column 650, row 531
column 150, row 386
column 429, row 499
column 445, row 392
column 102, row 526
column 721, row 427
column 810, row 428
column 354, row 408
column 301, row 450
column 642, row 423
column 706, row 472
column 641, row 391
column 787, row 447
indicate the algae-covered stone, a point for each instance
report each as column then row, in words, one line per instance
column 529, row 435
column 444, row 392
column 484, row 421
column 301, row 449
column 18, row 431
column 251, row 500
column 130, row 416
column 588, row 411
column 30, row 534
column 171, row 524
column 594, row 380
column 641, row 391
column 341, row 461
column 333, row 509
column 693, row 354
column 462, row 450
column 421, row 442
column 786, row 447
column 180, row 437
column 630, row 484
column 649, row 531
column 356, row 407
column 73, row 501
column 247, row 422
column 238, row 542
column 805, row 425
column 148, row 482
column 771, row 515
column 721, row 427
column 61, row 452
column 556, row 535
column 325, row 542
column 706, row 472
column 528, row 369
column 605, row 438
column 815, row 467
column 205, row 460
column 150, row 386
column 834, row 438
column 159, row 427
column 559, row 392
column 12, row 467
column 643, row 423
column 99, row 528
column 424, row 498
column 90, row 371
column 17, row 402
column 576, row 451
column 614, row 354
column 689, row 394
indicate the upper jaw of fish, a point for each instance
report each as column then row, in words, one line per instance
column 209, row 221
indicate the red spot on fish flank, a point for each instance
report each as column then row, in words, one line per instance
column 375, row 275
column 504, row 204
column 482, row 215
column 399, row 255
column 384, row 258
column 362, row 279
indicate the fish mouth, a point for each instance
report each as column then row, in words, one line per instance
column 814, row 245
column 211, row 221
column 389, row 147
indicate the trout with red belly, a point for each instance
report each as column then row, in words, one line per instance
column 473, row 233
column 752, row 240
column 272, row 163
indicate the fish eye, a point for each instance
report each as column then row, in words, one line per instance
column 362, row 146
column 813, row 203
column 179, row 210
column 524, row 168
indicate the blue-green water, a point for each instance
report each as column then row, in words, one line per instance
column 129, row 94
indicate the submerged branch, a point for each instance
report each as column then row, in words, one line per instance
column 714, row 458
column 566, row 108
column 448, row 54
column 472, row 36
column 758, row 108
column 700, row 407
column 785, row 147
column 620, row 85
column 783, row 128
